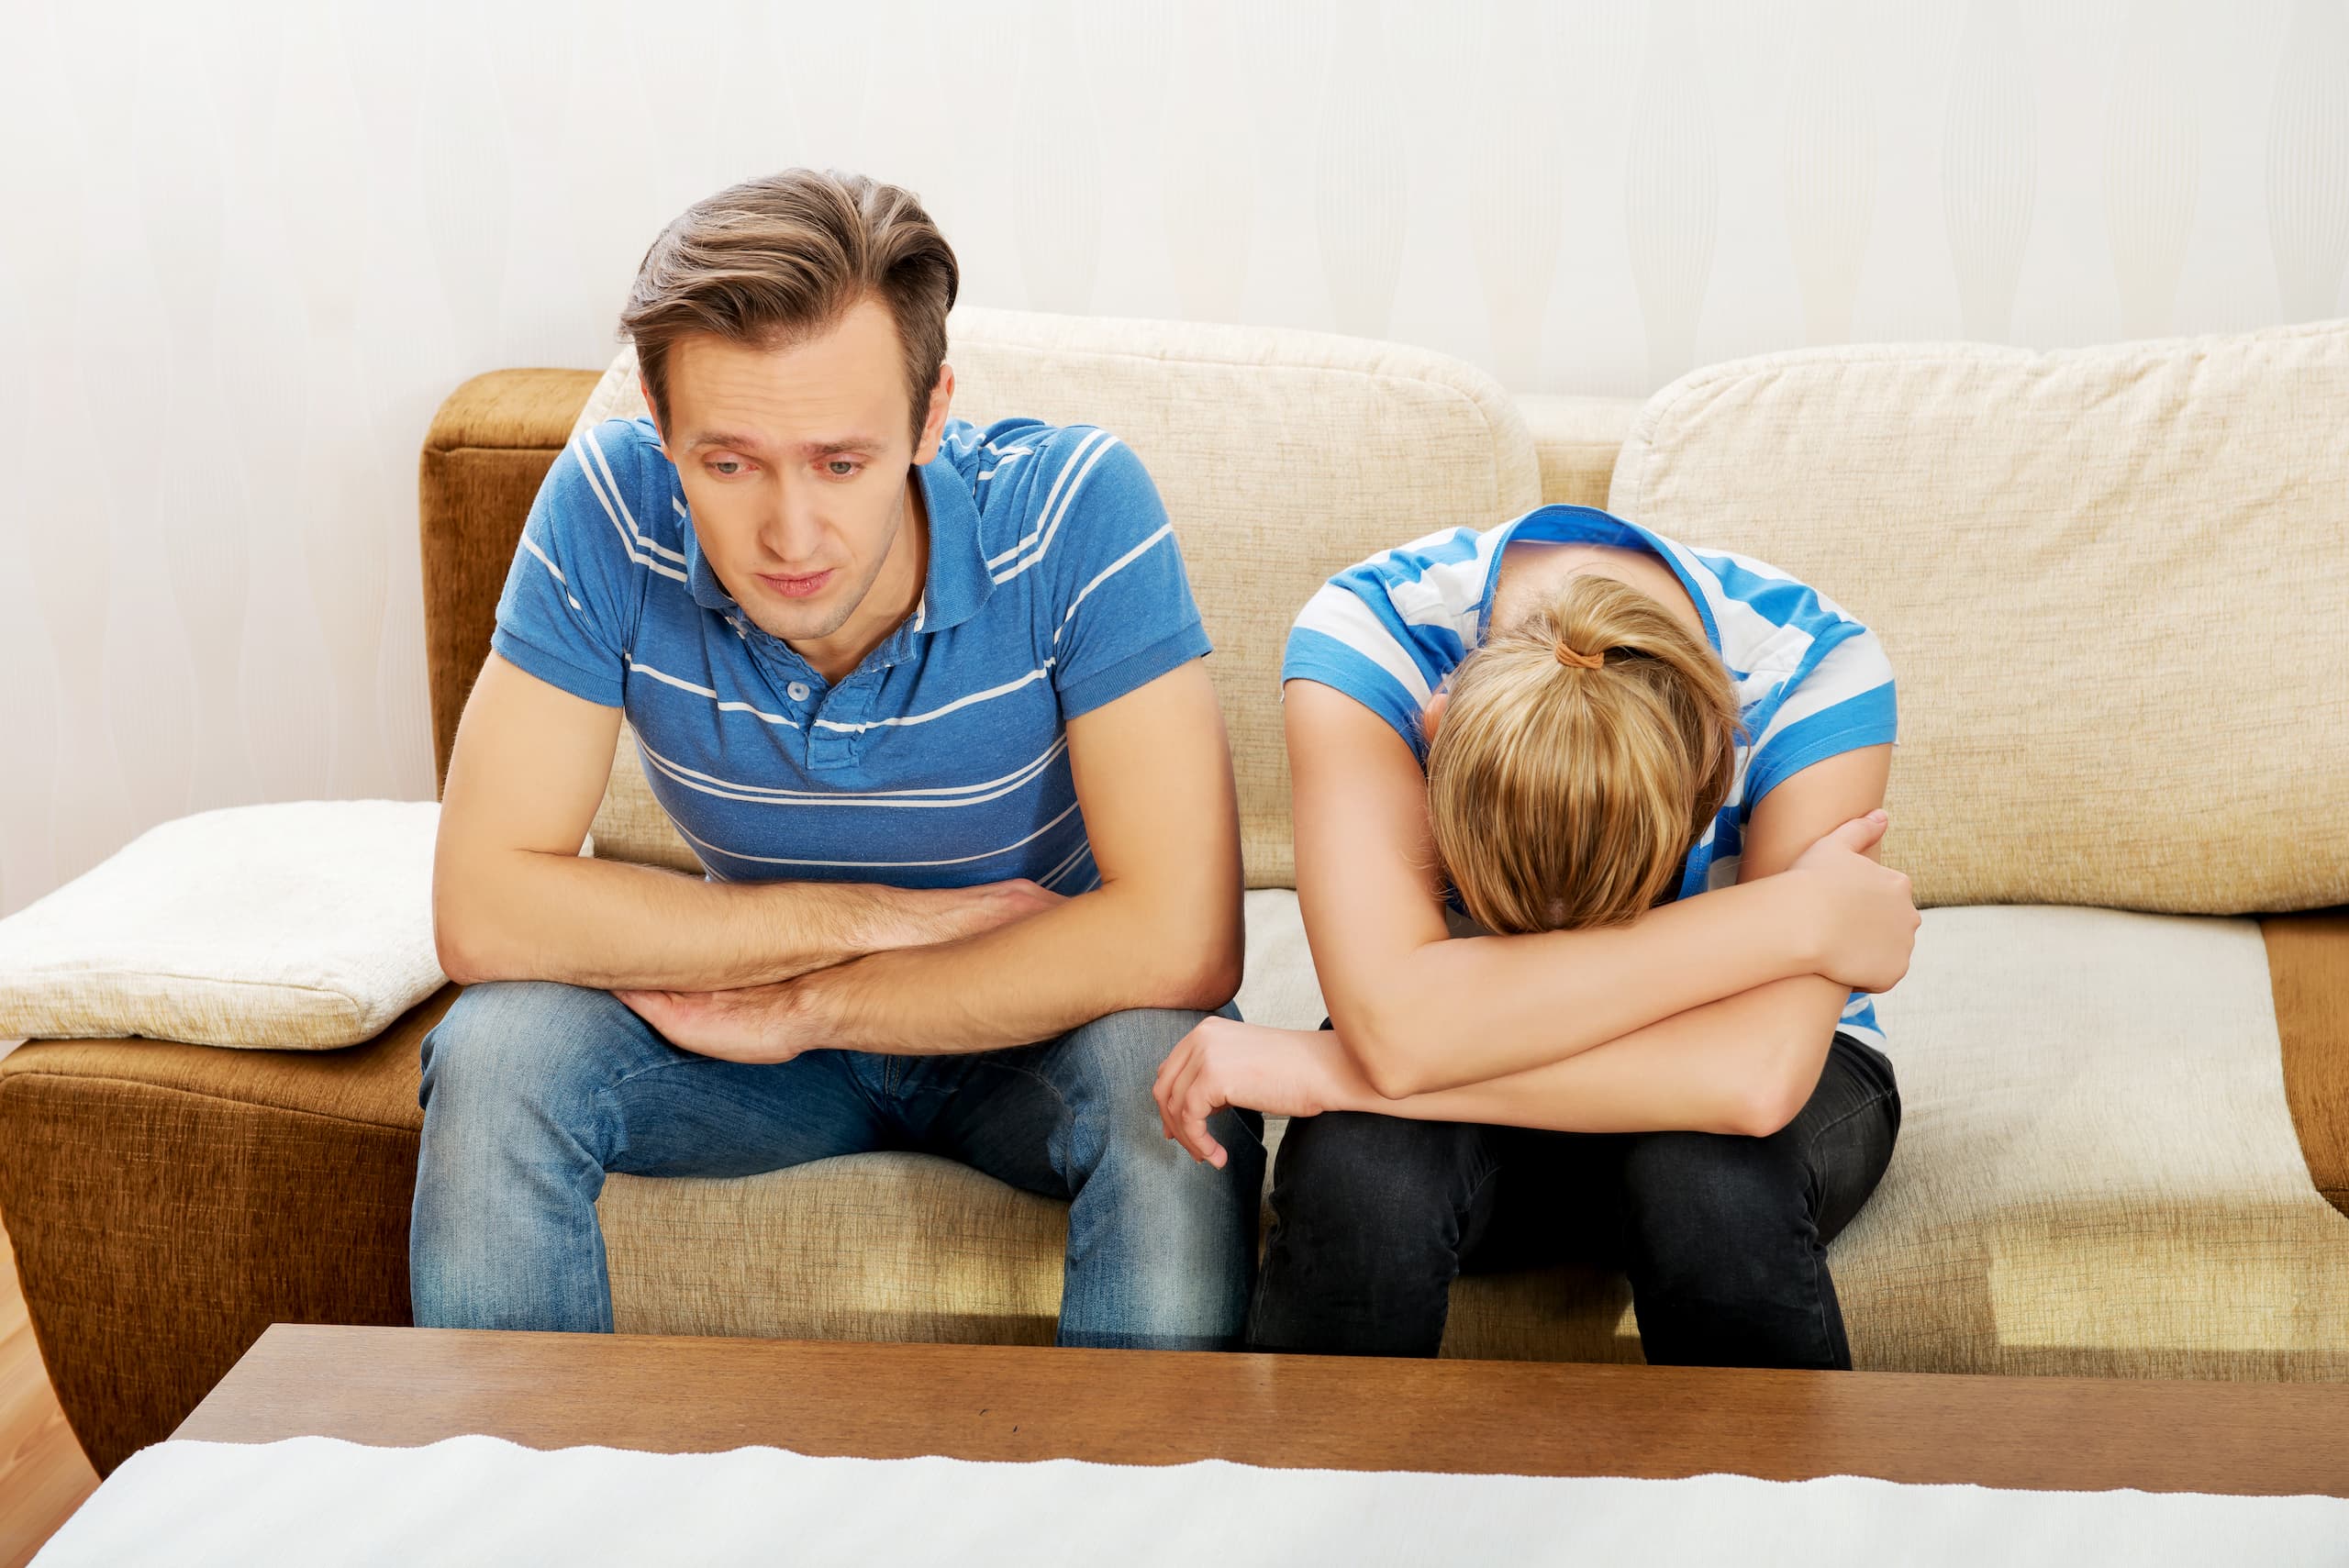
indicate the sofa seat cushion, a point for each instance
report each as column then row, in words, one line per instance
column 2098, row 1171
column 2096, row 1174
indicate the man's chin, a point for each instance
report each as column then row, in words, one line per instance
column 804, row 621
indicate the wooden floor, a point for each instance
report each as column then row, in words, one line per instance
column 43, row 1476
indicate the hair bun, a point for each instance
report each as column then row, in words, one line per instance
column 1566, row 655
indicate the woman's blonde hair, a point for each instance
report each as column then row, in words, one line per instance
column 1578, row 760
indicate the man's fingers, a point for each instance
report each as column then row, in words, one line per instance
column 643, row 1004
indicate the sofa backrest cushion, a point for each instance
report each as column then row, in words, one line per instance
column 1282, row 457
column 2113, row 583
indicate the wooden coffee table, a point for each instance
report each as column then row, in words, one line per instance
column 405, row 1387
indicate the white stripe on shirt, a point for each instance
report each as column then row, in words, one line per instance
column 877, row 865
column 763, row 795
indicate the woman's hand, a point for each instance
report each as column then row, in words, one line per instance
column 1277, row 1072
column 1865, row 912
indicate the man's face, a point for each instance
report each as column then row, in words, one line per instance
column 794, row 461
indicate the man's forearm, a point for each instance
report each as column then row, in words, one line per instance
column 1472, row 1009
column 1101, row 952
column 1743, row 1064
column 520, row 915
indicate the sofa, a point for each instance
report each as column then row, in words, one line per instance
column 2110, row 582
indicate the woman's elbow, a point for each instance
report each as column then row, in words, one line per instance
column 1767, row 1103
column 1377, row 1047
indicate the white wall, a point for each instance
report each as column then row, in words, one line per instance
column 242, row 260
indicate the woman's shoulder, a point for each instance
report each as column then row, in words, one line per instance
column 1388, row 629
column 1769, row 620
column 1433, row 588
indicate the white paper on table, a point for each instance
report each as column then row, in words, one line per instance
column 312, row 1501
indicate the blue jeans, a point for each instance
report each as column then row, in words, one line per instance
column 533, row 1090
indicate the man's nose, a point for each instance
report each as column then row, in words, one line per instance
column 793, row 530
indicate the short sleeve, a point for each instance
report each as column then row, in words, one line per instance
column 1842, row 701
column 576, row 582
column 1351, row 640
column 1123, row 614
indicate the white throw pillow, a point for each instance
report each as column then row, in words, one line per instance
column 295, row 927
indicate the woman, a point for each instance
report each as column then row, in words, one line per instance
column 1653, row 777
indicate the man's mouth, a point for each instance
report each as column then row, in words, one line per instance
column 798, row 587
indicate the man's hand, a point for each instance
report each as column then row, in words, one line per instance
column 950, row 914
column 752, row 1023
column 1866, row 913
column 1278, row 1072
column 776, row 1022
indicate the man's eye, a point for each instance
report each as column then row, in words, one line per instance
column 727, row 467
column 840, row 467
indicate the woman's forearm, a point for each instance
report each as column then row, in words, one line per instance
column 1744, row 1065
column 1471, row 1010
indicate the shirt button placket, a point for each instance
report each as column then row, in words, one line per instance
column 845, row 704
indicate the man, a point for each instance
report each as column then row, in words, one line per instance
column 927, row 702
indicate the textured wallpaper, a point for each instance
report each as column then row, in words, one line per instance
column 246, row 249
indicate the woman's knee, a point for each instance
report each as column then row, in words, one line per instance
column 1703, row 1202
column 1377, row 1168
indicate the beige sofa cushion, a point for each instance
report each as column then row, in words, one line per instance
column 1282, row 456
column 2096, row 1174
column 2110, row 582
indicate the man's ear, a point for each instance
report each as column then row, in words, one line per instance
column 933, row 424
column 1433, row 715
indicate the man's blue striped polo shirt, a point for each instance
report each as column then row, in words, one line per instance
column 1054, row 586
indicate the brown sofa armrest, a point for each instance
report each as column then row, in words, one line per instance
column 490, row 446
column 2308, row 965
column 169, row 1201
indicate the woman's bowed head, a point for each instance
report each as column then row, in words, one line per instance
column 1572, row 761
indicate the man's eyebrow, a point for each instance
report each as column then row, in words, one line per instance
column 734, row 441
column 726, row 439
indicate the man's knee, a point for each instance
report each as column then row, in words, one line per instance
column 1110, row 1058
column 522, row 1042
column 1106, row 1073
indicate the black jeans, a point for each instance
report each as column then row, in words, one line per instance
column 1724, row 1237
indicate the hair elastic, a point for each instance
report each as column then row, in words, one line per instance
column 1573, row 660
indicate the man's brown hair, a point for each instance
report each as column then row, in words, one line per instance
column 778, row 259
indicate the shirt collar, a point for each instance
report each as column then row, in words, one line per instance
column 958, row 582
column 959, row 579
